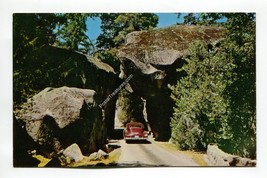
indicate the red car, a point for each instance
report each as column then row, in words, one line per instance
column 134, row 131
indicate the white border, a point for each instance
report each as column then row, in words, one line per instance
column 8, row 7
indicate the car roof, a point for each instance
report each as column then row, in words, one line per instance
column 134, row 123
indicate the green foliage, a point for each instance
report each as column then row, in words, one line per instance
column 115, row 26
column 109, row 57
column 30, row 32
column 41, row 70
column 200, row 107
column 216, row 100
column 203, row 18
column 130, row 107
column 242, row 93
column 34, row 66
column 190, row 19
column 71, row 34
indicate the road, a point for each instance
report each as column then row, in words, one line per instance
column 150, row 154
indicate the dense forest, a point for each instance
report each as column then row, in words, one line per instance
column 215, row 100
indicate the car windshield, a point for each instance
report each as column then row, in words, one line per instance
column 135, row 126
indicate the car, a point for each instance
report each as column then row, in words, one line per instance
column 135, row 131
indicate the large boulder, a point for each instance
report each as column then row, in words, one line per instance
column 164, row 46
column 58, row 117
column 50, row 66
column 152, row 57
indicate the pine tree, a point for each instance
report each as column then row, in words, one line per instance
column 216, row 100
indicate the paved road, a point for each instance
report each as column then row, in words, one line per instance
column 150, row 154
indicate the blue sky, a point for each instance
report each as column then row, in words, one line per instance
column 168, row 19
column 165, row 19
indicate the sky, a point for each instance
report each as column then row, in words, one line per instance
column 165, row 20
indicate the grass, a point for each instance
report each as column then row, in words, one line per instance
column 198, row 157
column 111, row 160
column 43, row 160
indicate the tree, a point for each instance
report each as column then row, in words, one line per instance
column 115, row 26
column 242, row 92
column 30, row 33
column 216, row 101
column 191, row 19
column 71, row 34
column 203, row 18
column 200, row 113
column 129, row 107
column 33, row 36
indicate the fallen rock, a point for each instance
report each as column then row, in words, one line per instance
column 73, row 152
column 102, row 154
column 97, row 156
column 58, row 117
column 94, row 156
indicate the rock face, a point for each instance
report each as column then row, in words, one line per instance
column 152, row 57
column 216, row 157
column 149, row 49
column 54, row 67
column 58, row 117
